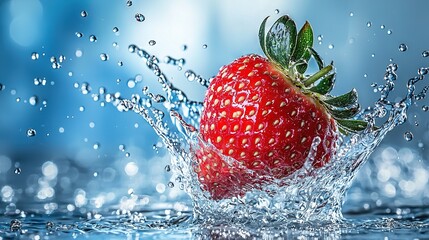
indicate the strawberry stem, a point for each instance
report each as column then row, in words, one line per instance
column 313, row 78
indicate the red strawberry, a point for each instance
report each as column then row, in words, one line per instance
column 264, row 113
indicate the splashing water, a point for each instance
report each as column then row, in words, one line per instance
column 308, row 195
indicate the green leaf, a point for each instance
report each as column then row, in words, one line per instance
column 262, row 35
column 316, row 57
column 304, row 41
column 280, row 41
column 344, row 100
column 352, row 125
column 344, row 113
column 325, row 85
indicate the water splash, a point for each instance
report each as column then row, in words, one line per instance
column 308, row 195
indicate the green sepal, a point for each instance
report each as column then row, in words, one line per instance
column 262, row 37
column 344, row 113
column 325, row 85
column 304, row 41
column 281, row 40
column 352, row 125
column 344, row 100
column 316, row 57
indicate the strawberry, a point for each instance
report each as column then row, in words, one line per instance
column 264, row 113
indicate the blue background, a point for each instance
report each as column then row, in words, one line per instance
column 60, row 163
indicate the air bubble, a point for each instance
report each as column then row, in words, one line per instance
column 17, row 170
column 92, row 38
column 152, row 42
column 129, row 3
column 389, row 32
column 402, row 47
column 1, row 87
column 425, row 53
column 204, row 46
column 276, row 11
column 184, row 47
column 83, row 13
column 127, row 154
column 61, row 130
column 79, row 34
column 425, row 108
column 35, row 56
column 81, row 108
column 139, row 17
column 104, row 57
column 331, row 46
column 382, row 26
column 120, row 64
column 31, row 132
column 408, row 136
column 115, row 29
column 170, row 184
column 369, row 24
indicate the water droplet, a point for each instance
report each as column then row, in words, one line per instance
column 33, row 100
column 420, row 145
column 104, row 57
column 369, row 24
column 79, row 35
column 17, row 171
column 35, row 56
column 139, row 17
column 92, row 38
column 152, row 42
column 204, row 46
column 276, row 11
column 402, row 47
column 331, row 46
column 85, row 88
column 167, row 168
column 83, row 13
column 96, row 146
column 40, row 81
column 170, row 184
column 115, row 29
column 389, row 32
column 408, row 136
column 49, row 226
column 15, row 225
column 78, row 53
column 31, row 132
column 121, row 147
column 425, row 53
column 61, row 58
column 425, row 108
column 131, row 83
column 129, row 3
